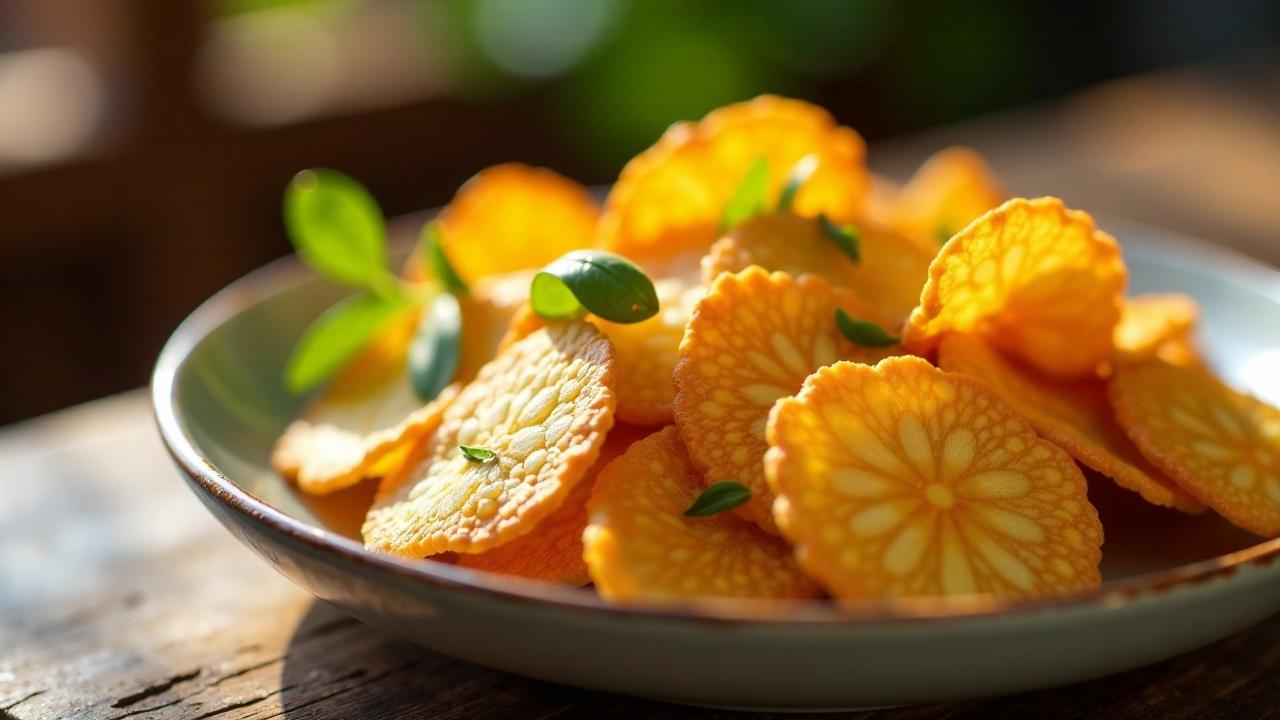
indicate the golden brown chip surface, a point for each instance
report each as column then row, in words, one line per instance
column 543, row 407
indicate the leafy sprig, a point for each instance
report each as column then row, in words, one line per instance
column 749, row 199
column 751, row 196
column 799, row 175
column 338, row 229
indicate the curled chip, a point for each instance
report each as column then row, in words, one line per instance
column 1157, row 326
column 1033, row 278
column 889, row 271
column 1075, row 415
column 673, row 195
column 515, row 217
column 552, row 552
column 754, row 338
column 542, row 409
column 1221, row 446
column 639, row 545
column 902, row 480
column 950, row 190
column 368, row 410
column 349, row 431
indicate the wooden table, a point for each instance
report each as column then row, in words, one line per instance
column 121, row 597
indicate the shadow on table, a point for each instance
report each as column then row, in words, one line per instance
column 338, row 667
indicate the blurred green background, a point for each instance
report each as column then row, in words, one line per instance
column 144, row 145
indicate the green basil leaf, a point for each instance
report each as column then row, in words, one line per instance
column 718, row 497
column 844, row 236
column 607, row 285
column 477, row 454
column 336, row 227
column 749, row 199
column 436, row 347
column 799, row 175
column 863, row 332
column 337, row 335
column 438, row 265
column 552, row 299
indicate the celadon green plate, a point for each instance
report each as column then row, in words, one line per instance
column 1171, row 582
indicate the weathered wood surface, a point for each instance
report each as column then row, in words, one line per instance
column 121, row 597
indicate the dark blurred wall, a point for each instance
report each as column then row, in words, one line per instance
column 144, row 145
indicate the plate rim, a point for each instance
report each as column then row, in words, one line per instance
column 285, row 273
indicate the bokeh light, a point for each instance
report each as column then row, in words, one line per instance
column 540, row 38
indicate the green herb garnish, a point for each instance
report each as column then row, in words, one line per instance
column 337, row 228
column 718, row 497
column 604, row 284
column 799, row 175
column 863, row 332
column 844, row 236
column 477, row 454
column 437, row 263
column 436, row 348
column 749, row 199
column 338, row 334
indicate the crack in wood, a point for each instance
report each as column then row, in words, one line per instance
column 22, row 699
column 154, row 690
column 244, row 671
column 244, row 703
column 153, row 708
column 206, row 686
column 349, row 676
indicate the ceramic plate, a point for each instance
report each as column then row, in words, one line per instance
column 1171, row 582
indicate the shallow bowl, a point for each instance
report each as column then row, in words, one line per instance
column 1171, row 582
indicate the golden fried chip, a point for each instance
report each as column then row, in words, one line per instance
column 552, row 552
column 357, row 419
column 754, row 338
column 673, row 195
column 487, row 312
column 515, row 217
column 647, row 352
column 1149, row 323
column 889, row 273
column 1221, row 446
column 348, row 431
column 951, row 189
column 324, row 458
column 1075, row 415
column 881, row 196
column 902, row 480
column 639, row 546
column 523, row 324
column 1033, row 278
column 542, row 408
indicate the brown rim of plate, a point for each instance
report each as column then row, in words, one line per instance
column 283, row 274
